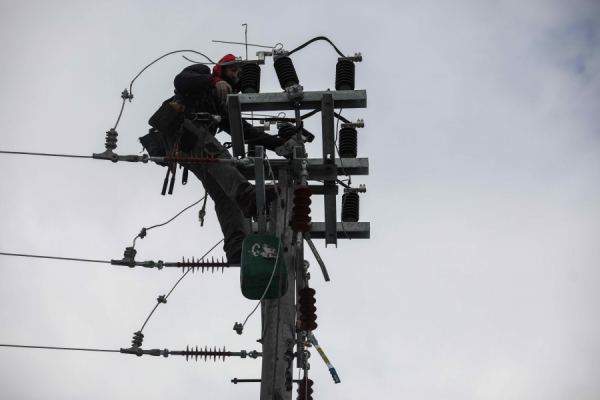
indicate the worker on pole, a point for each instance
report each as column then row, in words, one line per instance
column 188, row 123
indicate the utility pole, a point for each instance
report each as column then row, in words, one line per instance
column 284, row 337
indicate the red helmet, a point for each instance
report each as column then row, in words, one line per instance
column 218, row 70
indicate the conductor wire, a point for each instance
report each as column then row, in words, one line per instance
column 54, row 258
column 57, row 348
column 43, row 154
column 177, row 283
column 144, row 230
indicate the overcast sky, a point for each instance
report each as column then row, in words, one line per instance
column 481, row 277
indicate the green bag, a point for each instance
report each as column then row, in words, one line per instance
column 259, row 255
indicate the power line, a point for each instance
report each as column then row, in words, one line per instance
column 54, row 258
column 58, row 348
column 43, row 154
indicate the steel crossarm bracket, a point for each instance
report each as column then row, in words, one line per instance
column 236, row 125
column 317, row 171
column 311, row 101
column 354, row 230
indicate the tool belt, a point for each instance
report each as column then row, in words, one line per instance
column 167, row 127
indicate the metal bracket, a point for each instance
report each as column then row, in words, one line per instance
column 236, row 125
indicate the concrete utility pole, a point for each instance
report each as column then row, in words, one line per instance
column 280, row 316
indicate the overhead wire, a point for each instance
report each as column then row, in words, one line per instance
column 43, row 154
column 177, row 283
column 58, row 348
column 144, row 230
column 54, row 258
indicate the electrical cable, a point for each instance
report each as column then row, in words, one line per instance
column 339, row 116
column 161, row 57
column 54, row 258
column 314, row 40
column 142, row 234
column 43, row 154
column 177, row 283
column 58, row 348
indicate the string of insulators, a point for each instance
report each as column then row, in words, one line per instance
column 138, row 338
column 251, row 78
column 196, row 265
column 301, row 209
column 192, row 160
column 111, row 139
column 207, row 353
column 286, row 73
column 348, row 143
column 344, row 75
column 305, row 389
column 307, row 309
column 350, row 207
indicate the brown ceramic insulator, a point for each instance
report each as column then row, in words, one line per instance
column 305, row 389
column 301, row 210
column 307, row 309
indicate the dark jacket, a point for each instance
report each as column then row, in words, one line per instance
column 194, row 90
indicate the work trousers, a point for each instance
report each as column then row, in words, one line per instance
column 226, row 186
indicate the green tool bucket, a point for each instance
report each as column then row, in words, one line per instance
column 259, row 253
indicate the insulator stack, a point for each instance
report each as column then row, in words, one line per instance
column 138, row 338
column 111, row 139
column 192, row 160
column 251, row 149
column 350, row 207
column 196, row 265
column 207, row 353
column 251, row 78
column 344, row 75
column 286, row 73
column 307, row 309
column 301, row 210
column 305, row 389
column 286, row 131
column 348, row 143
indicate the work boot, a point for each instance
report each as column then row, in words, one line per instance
column 270, row 194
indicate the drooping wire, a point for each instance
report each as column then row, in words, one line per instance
column 177, row 283
column 161, row 57
column 43, row 154
column 54, row 258
column 314, row 40
column 57, row 348
column 142, row 234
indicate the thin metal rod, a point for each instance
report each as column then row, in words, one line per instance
column 247, row 44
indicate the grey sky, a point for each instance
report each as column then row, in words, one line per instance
column 481, row 277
